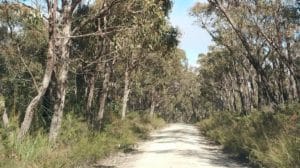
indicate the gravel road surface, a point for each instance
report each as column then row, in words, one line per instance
column 175, row 146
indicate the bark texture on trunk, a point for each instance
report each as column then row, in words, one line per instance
column 103, row 95
column 5, row 118
column 126, row 93
column 3, row 111
column 62, row 73
column 90, row 98
column 153, row 103
column 152, row 108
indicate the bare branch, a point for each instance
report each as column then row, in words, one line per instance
column 98, row 33
column 29, row 71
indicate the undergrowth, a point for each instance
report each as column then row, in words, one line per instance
column 265, row 139
column 77, row 144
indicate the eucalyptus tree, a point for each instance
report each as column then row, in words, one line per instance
column 86, row 53
column 166, row 79
column 22, row 27
column 3, row 111
column 93, row 56
column 151, row 78
column 59, row 24
column 267, row 51
column 150, row 26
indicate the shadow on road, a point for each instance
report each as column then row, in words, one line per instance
column 179, row 146
column 209, row 151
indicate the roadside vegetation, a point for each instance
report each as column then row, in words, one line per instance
column 82, row 79
column 249, row 81
column 77, row 145
column 264, row 138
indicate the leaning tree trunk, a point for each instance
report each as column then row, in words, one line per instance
column 268, row 93
column 62, row 74
column 42, row 90
column 47, row 75
column 103, row 96
column 126, row 93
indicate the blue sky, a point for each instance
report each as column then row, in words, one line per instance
column 194, row 40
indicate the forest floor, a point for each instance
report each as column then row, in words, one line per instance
column 175, row 146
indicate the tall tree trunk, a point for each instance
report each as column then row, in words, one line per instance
column 152, row 108
column 5, row 118
column 259, row 89
column 47, row 75
column 297, row 85
column 3, row 111
column 254, row 92
column 62, row 72
column 105, row 84
column 153, row 103
column 239, row 81
column 15, row 96
column 90, row 98
column 126, row 93
column 103, row 95
column 246, row 91
column 294, row 79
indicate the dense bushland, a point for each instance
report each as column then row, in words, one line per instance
column 99, row 60
column 248, row 74
column 78, row 145
column 73, row 71
column 265, row 138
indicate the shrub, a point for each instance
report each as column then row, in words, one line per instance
column 266, row 139
column 77, row 144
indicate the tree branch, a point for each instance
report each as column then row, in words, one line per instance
column 99, row 14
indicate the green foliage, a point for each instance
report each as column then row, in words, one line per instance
column 77, row 145
column 265, row 139
column 21, row 154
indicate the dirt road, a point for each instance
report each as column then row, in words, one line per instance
column 176, row 146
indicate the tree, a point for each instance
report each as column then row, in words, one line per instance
column 90, row 59
column 267, row 52
column 60, row 33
